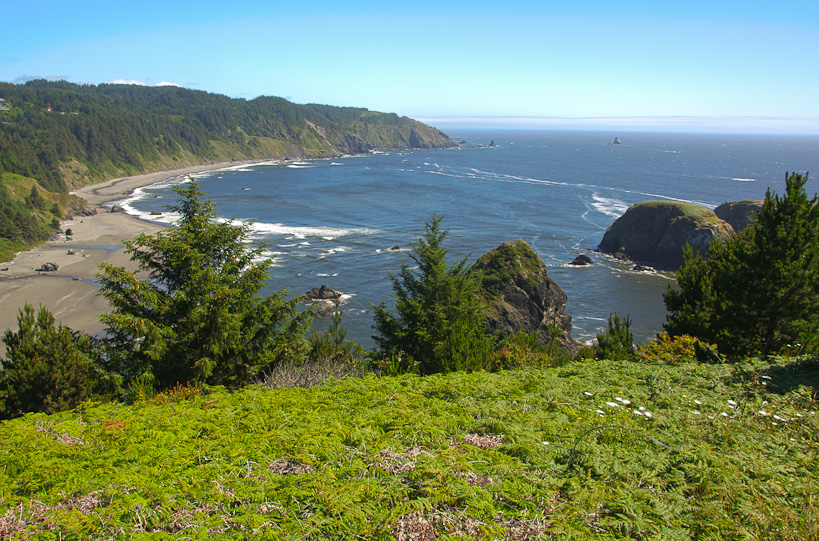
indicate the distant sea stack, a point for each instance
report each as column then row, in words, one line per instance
column 519, row 295
column 654, row 233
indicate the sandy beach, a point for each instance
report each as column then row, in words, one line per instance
column 70, row 292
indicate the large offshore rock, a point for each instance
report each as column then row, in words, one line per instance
column 738, row 213
column 521, row 296
column 654, row 232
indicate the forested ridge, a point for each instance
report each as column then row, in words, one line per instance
column 65, row 135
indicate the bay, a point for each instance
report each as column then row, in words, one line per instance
column 334, row 221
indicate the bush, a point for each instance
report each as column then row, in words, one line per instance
column 617, row 341
column 676, row 350
column 199, row 317
column 759, row 290
column 439, row 324
column 49, row 368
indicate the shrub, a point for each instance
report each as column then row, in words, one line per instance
column 676, row 350
column 759, row 290
column 49, row 368
column 617, row 341
column 199, row 317
column 439, row 323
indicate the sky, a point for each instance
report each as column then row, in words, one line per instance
column 692, row 66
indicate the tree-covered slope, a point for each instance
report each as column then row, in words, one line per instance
column 65, row 134
column 603, row 450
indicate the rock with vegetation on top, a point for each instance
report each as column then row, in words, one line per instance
column 738, row 213
column 520, row 296
column 655, row 232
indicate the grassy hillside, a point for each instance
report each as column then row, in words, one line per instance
column 591, row 450
column 28, row 213
column 67, row 135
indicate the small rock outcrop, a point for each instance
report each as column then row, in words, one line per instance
column 582, row 261
column 738, row 213
column 323, row 293
column 655, row 232
column 78, row 206
column 519, row 295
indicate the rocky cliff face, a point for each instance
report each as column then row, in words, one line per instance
column 654, row 232
column 521, row 296
column 738, row 213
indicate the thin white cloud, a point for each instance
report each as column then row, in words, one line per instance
column 140, row 83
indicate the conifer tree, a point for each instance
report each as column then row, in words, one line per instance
column 759, row 290
column 439, row 325
column 48, row 367
column 199, row 316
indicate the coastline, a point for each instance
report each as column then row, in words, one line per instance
column 70, row 292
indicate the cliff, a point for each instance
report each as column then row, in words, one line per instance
column 738, row 213
column 519, row 295
column 654, row 232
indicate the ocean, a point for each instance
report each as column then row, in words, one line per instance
column 332, row 222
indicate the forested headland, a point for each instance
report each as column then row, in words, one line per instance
column 65, row 135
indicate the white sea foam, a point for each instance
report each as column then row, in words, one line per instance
column 609, row 206
column 291, row 232
column 336, row 163
column 744, row 179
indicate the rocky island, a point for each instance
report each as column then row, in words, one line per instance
column 654, row 233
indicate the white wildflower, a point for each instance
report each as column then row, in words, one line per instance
column 732, row 402
column 648, row 414
column 601, row 412
column 612, row 404
column 695, row 412
column 762, row 412
column 697, row 402
column 766, row 377
column 637, row 412
column 724, row 414
column 587, row 393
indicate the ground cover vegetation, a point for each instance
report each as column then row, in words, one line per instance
column 500, row 438
column 597, row 449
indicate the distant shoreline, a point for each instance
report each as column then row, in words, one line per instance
column 71, row 292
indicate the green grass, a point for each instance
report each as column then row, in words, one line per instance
column 600, row 450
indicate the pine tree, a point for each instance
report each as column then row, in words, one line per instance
column 759, row 290
column 439, row 325
column 49, row 368
column 199, row 316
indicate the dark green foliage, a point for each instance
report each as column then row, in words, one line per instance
column 439, row 324
column 332, row 346
column 102, row 131
column 23, row 218
column 758, row 291
column 199, row 317
column 49, row 368
column 617, row 341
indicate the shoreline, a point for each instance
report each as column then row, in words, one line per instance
column 71, row 292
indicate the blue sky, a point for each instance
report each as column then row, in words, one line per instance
column 712, row 66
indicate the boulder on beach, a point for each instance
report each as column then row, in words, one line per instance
column 48, row 267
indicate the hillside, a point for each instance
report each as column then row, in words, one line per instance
column 66, row 135
column 604, row 450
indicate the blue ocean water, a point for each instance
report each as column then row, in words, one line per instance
column 333, row 221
